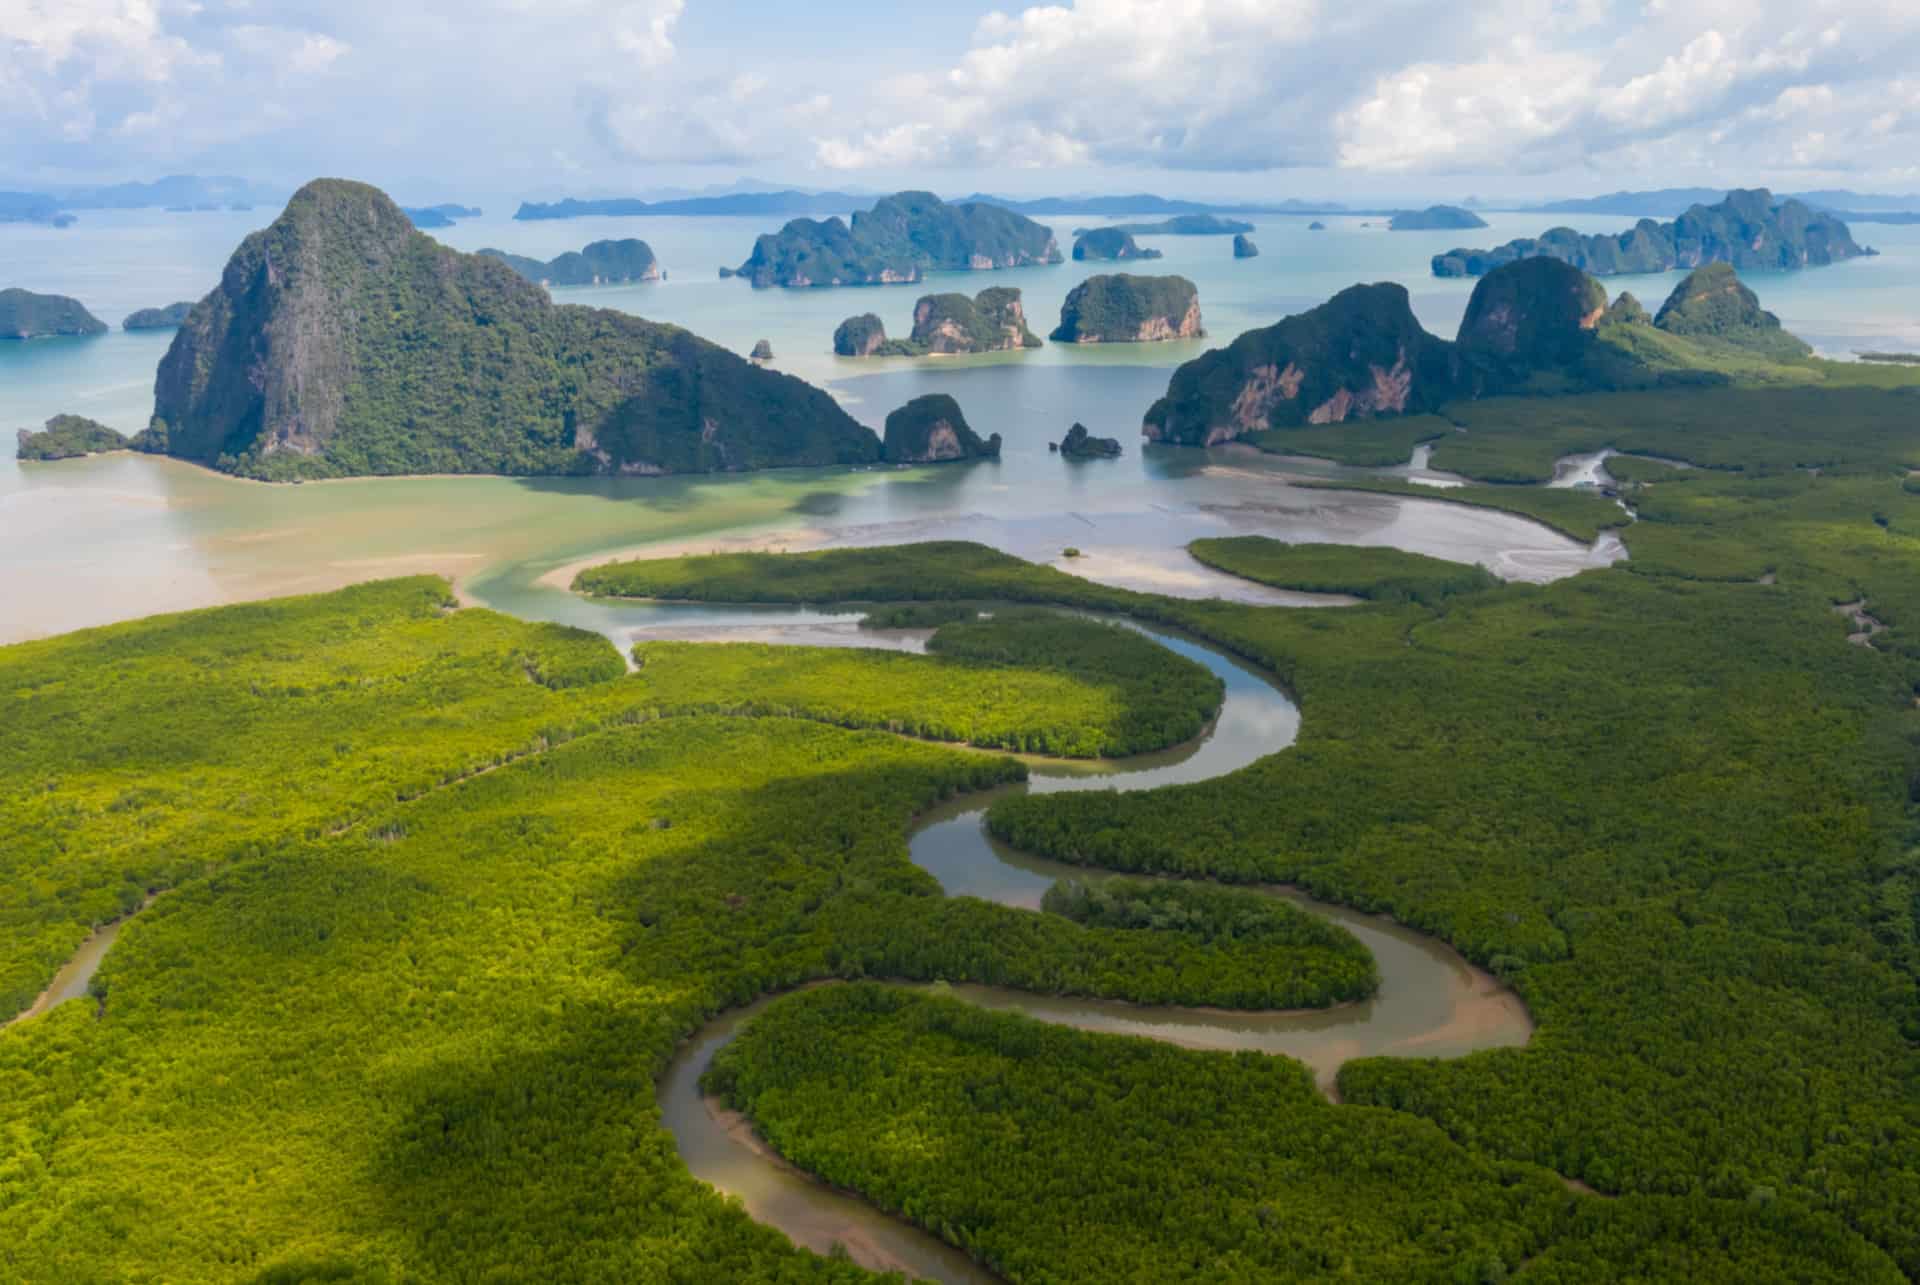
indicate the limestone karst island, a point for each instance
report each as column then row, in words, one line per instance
column 1190, row 642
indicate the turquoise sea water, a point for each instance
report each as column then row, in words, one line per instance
column 83, row 542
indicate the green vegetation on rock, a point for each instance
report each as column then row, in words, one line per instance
column 930, row 429
column 604, row 263
column 68, row 437
column 26, row 315
column 342, row 341
column 1109, row 243
column 1749, row 230
column 170, row 317
column 1119, row 308
column 899, row 240
column 1713, row 304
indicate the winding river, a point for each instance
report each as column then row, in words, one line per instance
column 1431, row 1003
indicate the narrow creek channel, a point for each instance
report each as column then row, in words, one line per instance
column 1431, row 1003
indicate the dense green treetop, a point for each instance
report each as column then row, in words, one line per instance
column 167, row 318
column 992, row 321
column 1713, row 303
column 26, row 315
column 1123, row 308
column 1434, row 218
column 1749, row 230
column 342, row 341
column 900, row 239
column 599, row 264
column 67, row 437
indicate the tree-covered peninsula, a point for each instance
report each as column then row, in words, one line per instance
column 603, row 263
column 26, row 315
column 898, row 241
column 343, row 341
column 1749, row 230
column 67, row 437
column 1120, row 308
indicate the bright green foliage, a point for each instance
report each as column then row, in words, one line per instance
column 1713, row 304
column 1368, row 443
column 1212, row 914
column 1100, row 1159
column 1118, row 308
column 26, row 315
column 343, row 341
column 67, row 437
column 901, row 238
column 1382, row 575
column 1037, row 682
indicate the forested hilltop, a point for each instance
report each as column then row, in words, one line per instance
column 343, row 341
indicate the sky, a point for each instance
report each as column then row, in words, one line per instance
column 1317, row 99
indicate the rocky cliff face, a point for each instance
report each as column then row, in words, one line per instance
column 931, row 430
column 1100, row 244
column 901, row 238
column 994, row 320
column 860, row 336
column 1118, row 308
column 1749, row 230
column 342, row 341
column 1537, row 313
column 1359, row 355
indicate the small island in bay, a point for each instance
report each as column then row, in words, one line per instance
column 1244, row 248
column 429, row 217
column 931, row 430
column 68, row 437
column 604, row 263
column 171, row 317
column 342, row 341
column 1119, row 308
column 26, row 315
column 1316, row 226
column 1435, row 218
column 1178, row 225
column 994, row 320
column 1079, row 444
column 762, row 351
column 897, row 242
column 1749, row 230
column 1102, row 244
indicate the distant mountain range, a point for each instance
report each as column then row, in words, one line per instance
column 1668, row 202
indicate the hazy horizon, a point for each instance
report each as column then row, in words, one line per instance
column 1376, row 101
